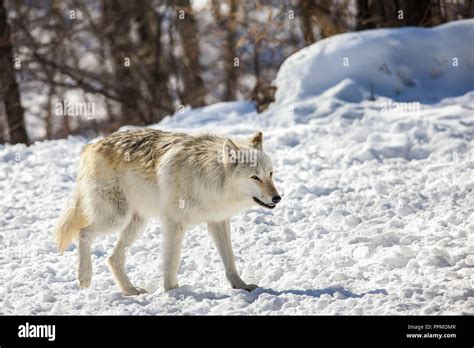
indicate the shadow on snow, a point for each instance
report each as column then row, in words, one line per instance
column 185, row 292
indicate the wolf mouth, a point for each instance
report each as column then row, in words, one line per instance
column 268, row 206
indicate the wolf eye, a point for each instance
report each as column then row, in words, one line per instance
column 255, row 178
column 271, row 174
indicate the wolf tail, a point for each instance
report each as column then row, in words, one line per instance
column 70, row 224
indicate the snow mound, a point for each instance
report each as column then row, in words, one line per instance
column 423, row 64
column 347, row 90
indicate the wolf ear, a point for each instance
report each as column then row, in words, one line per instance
column 229, row 152
column 256, row 141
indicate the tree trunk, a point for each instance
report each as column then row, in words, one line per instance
column 3, row 122
column 175, row 68
column 116, row 17
column 362, row 15
column 231, row 53
column 436, row 17
column 153, row 58
column 378, row 14
column 194, row 88
column 9, row 92
column 328, row 22
column 162, row 96
column 414, row 11
column 50, row 112
column 306, row 22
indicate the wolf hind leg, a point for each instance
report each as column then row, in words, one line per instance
column 107, row 210
column 116, row 261
column 84, row 274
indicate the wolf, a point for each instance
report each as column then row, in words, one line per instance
column 129, row 177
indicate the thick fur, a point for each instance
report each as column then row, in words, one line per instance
column 129, row 177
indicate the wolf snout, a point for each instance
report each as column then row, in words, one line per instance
column 276, row 199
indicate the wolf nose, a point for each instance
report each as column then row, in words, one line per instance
column 276, row 199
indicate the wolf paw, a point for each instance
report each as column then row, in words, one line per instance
column 134, row 292
column 247, row 287
column 84, row 282
column 171, row 287
column 250, row 287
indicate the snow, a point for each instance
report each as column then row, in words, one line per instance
column 405, row 64
column 376, row 215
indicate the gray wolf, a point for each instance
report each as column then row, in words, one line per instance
column 129, row 177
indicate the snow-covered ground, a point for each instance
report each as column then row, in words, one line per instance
column 376, row 216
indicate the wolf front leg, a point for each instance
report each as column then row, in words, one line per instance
column 173, row 234
column 220, row 233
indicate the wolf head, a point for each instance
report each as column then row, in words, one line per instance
column 253, row 171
